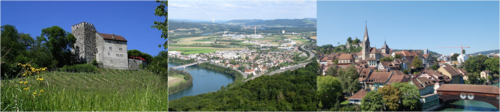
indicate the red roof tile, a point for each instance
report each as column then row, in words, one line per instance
column 110, row 37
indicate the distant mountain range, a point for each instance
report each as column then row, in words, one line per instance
column 194, row 20
column 306, row 22
column 486, row 52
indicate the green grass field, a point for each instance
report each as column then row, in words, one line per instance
column 108, row 90
column 204, row 40
column 186, row 51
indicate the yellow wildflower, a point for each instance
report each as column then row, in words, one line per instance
column 24, row 74
column 34, row 93
column 18, row 63
column 21, row 82
column 41, row 91
column 26, row 88
column 25, row 82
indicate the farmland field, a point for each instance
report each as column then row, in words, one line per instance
column 176, row 79
column 107, row 90
column 193, row 50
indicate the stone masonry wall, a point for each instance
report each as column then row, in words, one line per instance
column 85, row 45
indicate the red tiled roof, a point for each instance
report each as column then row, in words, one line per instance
column 110, row 37
column 396, row 78
column 451, row 70
column 470, row 88
column 359, row 95
column 379, row 77
column 346, row 57
column 422, row 82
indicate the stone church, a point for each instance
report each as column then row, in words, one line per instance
column 108, row 49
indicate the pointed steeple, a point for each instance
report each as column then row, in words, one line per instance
column 365, row 38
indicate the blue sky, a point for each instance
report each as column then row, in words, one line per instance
column 132, row 20
column 417, row 25
column 241, row 9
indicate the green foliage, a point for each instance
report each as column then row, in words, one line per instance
column 387, row 59
column 329, row 90
column 349, row 80
column 182, row 85
column 60, row 43
column 137, row 53
column 395, row 97
column 79, row 68
column 332, row 71
column 480, row 63
column 417, row 63
column 356, row 41
column 159, row 65
column 94, row 62
column 349, row 40
column 454, row 57
column 492, row 64
column 397, row 56
column 463, row 51
column 162, row 11
column 405, row 71
column 290, row 90
column 328, row 49
column 372, row 102
column 434, row 66
column 410, row 96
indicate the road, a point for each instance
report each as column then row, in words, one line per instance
column 292, row 67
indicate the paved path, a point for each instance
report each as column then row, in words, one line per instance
column 292, row 67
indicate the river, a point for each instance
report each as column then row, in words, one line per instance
column 469, row 105
column 203, row 82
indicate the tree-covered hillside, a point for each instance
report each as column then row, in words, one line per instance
column 288, row 91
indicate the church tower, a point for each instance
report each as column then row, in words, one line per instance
column 366, row 45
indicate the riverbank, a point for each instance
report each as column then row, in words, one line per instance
column 180, row 80
column 204, row 81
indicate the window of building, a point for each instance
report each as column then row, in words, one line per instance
column 109, row 54
column 121, row 55
column 110, row 48
column 120, row 49
column 117, row 55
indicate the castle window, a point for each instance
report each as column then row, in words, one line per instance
column 109, row 54
column 117, row 55
column 110, row 48
column 120, row 49
column 121, row 55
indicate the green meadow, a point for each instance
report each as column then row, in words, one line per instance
column 106, row 90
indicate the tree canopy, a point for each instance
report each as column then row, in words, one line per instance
column 329, row 90
column 162, row 11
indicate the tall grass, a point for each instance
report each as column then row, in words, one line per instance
column 107, row 90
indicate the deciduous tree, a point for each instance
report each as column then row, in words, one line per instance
column 162, row 11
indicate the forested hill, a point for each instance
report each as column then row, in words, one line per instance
column 306, row 22
column 288, row 91
column 421, row 51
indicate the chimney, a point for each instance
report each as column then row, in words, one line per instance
column 113, row 36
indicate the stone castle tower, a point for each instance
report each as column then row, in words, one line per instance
column 85, row 45
column 366, row 45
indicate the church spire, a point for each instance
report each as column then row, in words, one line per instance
column 365, row 38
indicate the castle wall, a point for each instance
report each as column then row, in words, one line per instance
column 134, row 64
column 115, row 54
column 85, row 45
column 100, row 47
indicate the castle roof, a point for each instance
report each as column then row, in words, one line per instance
column 110, row 37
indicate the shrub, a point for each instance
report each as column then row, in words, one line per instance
column 79, row 68
column 94, row 62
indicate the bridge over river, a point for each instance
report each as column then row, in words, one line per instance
column 186, row 65
column 455, row 92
